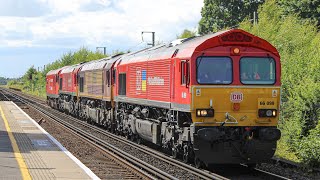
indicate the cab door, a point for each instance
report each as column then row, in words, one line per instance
column 181, row 81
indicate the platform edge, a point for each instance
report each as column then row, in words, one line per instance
column 76, row 160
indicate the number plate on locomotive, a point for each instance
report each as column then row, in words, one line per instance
column 267, row 103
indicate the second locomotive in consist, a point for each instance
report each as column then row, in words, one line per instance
column 213, row 99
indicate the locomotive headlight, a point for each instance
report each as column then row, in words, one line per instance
column 274, row 113
column 205, row 112
column 267, row 112
column 198, row 113
column 236, row 50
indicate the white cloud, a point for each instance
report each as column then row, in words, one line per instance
column 116, row 24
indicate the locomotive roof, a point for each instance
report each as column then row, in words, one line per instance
column 104, row 63
column 68, row 69
column 56, row 71
column 183, row 48
column 92, row 65
column 187, row 47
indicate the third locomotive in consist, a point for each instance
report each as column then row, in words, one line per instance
column 213, row 99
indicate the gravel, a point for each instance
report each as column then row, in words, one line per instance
column 292, row 173
column 100, row 164
column 166, row 167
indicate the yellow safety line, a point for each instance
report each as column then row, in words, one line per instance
column 22, row 165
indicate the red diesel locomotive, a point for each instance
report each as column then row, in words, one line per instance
column 212, row 99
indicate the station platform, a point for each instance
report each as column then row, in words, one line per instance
column 28, row 152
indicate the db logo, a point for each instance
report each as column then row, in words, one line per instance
column 236, row 97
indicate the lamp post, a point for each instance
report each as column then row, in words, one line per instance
column 104, row 49
column 153, row 37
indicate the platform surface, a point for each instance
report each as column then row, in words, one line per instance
column 29, row 152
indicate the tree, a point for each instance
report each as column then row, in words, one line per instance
column 307, row 9
column 219, row 14
column 186, row 34
column 298, row 43
column 30, row 73
column 70, row 58
column 34, row 81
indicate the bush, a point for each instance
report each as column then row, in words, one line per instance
column 298, row 43
column 34, row 82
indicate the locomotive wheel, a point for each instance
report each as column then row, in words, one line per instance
column 127, row 136
column 186, row 154
column 185, row 157
column 252, row 166
column 174, row 153
column 139, row 140
column 116, row 132
column 198, row 163
column 132, row 138
column 90, row 121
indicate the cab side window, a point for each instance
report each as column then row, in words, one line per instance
column 81, row 84
column 184, row 72
column 60, row 84
column 114, row 76
column 108, row 78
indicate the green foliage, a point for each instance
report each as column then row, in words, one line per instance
column 34, row 82
column 219, row 14
column 30, row 74
column 298, row 43
column 310, row 148
column 307, row 9
column 70, row 58
column 186, row 34
column 3, row 81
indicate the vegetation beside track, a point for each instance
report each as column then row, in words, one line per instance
column 298, row 42
column 34, row 81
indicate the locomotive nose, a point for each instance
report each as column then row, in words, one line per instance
column 242, row 106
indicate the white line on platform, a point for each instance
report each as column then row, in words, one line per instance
column 76, row 160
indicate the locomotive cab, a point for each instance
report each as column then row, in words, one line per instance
column 235, row 101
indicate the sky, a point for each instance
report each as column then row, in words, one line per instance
column 38, row 32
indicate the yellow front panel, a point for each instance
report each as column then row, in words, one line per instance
column 223, row 98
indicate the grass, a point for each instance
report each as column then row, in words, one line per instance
column 41, row 95
column 284, row 152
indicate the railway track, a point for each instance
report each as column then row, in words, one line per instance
column 155, row 160
column 121, row 169
column 87, row 131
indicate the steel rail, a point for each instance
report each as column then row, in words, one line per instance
column 201, row 173
column 124, row 155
